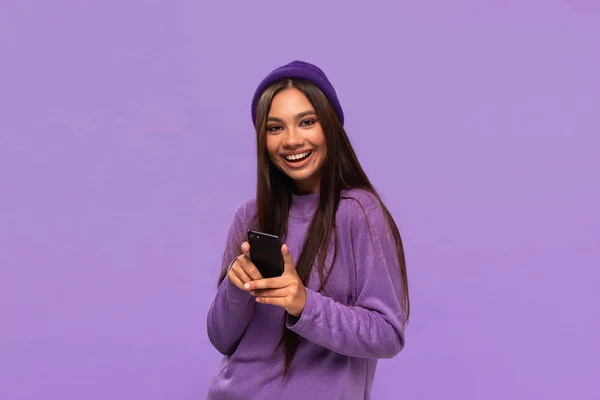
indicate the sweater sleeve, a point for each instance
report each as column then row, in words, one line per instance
column 232, row 308
column 372, row 327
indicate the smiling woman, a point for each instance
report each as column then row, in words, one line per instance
column 295, row 141
column 317, row 330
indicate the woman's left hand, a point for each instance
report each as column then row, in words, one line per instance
column 285, row 291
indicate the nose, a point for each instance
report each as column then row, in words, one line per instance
column 293, row 138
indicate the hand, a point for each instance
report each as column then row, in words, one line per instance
column 243, row 270
column 286, row 291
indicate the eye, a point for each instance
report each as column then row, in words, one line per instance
column 274, row 128
column 308, row 122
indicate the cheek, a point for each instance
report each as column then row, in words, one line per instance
column 319, row 140
column 272, row 146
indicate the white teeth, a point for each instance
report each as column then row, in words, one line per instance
column 297, row 156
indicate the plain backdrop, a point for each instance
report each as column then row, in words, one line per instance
column 126, row 142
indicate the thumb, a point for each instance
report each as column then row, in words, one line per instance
column 288, row 261
column 246, row 249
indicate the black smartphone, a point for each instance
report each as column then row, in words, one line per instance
column 265, row 253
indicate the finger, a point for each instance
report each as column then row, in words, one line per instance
column 250, row 269
column 247, row 264
column 233, row 278
column 283, row 292
column 276, row 301
column 288, row 261
column 246, row 249
column 238, row 270
column 268, row 283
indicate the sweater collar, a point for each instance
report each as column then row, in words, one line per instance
column 304, row 205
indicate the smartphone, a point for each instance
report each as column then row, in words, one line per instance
column 265, row 253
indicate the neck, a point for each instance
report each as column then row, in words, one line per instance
column 308, row 187
column 304, row 204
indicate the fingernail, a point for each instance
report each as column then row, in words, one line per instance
column 246, row 286
column 252, row 292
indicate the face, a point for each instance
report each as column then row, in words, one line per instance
column 295, row 139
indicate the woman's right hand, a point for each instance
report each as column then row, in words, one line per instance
column 243, row 270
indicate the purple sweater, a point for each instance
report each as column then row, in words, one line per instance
column 342, row 333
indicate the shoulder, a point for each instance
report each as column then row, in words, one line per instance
column 358, row 202
column 360, row 208
column 245, row 211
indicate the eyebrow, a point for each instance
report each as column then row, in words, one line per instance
column 297, row 117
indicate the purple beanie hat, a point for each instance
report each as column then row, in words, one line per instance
column 302, row 70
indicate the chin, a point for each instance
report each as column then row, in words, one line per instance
column 301, row 178
column 304, row 175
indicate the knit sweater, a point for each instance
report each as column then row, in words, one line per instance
column 343, row 330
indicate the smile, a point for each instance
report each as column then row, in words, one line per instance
column 297, row 157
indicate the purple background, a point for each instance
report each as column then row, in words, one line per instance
column 126, row 142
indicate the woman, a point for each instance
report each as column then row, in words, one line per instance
column 317, row 331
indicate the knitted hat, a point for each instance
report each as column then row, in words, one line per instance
column 303, row 70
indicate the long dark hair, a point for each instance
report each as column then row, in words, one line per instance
column 341, row 170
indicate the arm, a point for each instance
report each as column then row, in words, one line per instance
column 232, row 308
column 372, row 328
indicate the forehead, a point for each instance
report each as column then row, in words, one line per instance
column 289, row 101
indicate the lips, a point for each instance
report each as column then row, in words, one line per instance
column 294, row 158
